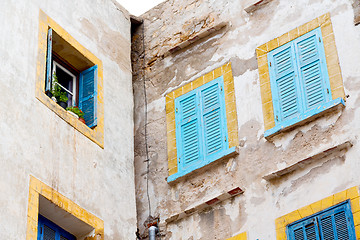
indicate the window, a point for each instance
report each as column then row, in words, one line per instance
column 48, row 230
column 288, row 224
column 333, row 223
column 300, row 76
column 52, row 216
column 80, row 73
column 74, row 77
column 201, row 131
column 67, row 82
column 201, row 121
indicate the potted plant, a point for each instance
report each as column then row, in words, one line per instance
column 78, row 112
column 62, row 99
column 61, row 96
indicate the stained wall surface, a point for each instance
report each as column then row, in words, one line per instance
column 35, row 141
column 171, row 61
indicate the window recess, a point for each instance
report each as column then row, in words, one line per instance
column 201, row 127
column 71, row 79
column 299, row 80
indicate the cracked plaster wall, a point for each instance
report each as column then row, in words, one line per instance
column 255, row 211
column 35, row 141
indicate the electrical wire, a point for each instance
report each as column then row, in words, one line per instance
column 145, row 124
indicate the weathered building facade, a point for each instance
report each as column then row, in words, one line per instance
column 251, row 125
column 58, row 175
column 208, row 119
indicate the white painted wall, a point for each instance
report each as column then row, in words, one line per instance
column 35, row 141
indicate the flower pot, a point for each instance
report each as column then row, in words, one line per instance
column 63, row 105
column 82, row 120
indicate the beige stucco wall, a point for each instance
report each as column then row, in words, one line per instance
column 254, row 211
column 35, row 141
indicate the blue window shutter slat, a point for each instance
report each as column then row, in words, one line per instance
column 188, row 129
column 48, row 61
column 190, row 142
column 284, row 83
column 188, row 107
column 296, row 232
column 341, row 226
column 336, row 224
column 299, row 234
column 48, row 233
column 327, row 227
column 311, row 231
column 312, row 68
column 212, row 118
column 88, row 95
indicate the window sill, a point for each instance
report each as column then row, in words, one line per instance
column 308, row 160
column 253, row 5
column 200, row 205
column 200, row 35
column 231, row 152
column 304, row 118
column 95, row 135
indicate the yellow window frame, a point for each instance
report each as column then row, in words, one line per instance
column 351, row 194
column 230, row 105
column 241, row 236
column 38, row 188
column 332, row 61
column 96, row 134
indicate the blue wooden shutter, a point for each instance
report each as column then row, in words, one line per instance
column 312, row 69
column 188, row 129
column 48, row 233
column 63, row 238
column 284, row 83
column 213, row 120
column 335, row 224
column 48, row 61
column 47, row 230
column 88, row 95
column 305, row 230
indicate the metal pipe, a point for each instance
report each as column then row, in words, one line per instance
column 152, row 232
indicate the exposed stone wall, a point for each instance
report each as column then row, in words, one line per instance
column 171, row 24
column 356, row 6
column 35, row 141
